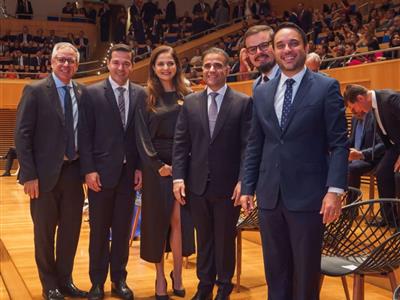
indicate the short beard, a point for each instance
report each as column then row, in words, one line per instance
column 266, row 67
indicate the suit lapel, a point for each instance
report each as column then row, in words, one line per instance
column 204, row 112
column 132, row 104
column 109, row 94
column 223, row 112
column 270, row 103
column 55, row 99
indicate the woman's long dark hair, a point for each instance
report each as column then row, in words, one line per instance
column 154, row 86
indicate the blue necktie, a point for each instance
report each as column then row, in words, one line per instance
column 287, row 101
column 69, row 125
column 358, row 134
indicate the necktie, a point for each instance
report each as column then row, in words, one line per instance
column 287, row 101
column 69, row 124
column 212, row 112
column 358, row 134
column 265, row 78
column 121, row 104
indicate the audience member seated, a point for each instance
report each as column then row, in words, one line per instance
column 394, row 42
column 9, row 157
column 313, row 62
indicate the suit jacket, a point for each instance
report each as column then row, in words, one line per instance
column 300, row 161
column 198, row 157
column 104, row 143
column 40, row 136
column 170, row 12
column 389, row 112
column 197, row 9
column 368, row 145
column 258, row 80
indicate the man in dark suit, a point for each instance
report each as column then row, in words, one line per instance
column 296, row 163
column 385, row 105
column 201, row 8
column 25, row 37
column 110, row 163
column 170, row 12
column 48, row 153
column 210, row 138
column 366, row 148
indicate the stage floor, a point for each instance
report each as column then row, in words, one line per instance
column 17, row 236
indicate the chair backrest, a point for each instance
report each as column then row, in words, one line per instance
column 251, row 220
column 396, row 294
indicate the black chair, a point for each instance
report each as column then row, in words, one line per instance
column 249, row 223
column 351, row 245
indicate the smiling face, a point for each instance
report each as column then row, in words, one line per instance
column 120, row 66
column 165, row 67
column 215, row 70
column 290, row 51
column 65, row 64
column 263, row 58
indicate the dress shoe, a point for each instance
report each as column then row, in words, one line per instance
column 72, row 291
column 52, row 295
column 6, row 174
column 96, row 292
column 378, row 223
column 221, row 296
column 121, row 290
column 179, row 293
column 202, row 296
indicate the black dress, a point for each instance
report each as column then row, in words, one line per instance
column 155, row 134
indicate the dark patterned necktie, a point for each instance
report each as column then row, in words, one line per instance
column 287, row 101
column 69, row 124
column 212, row 112
column 265, row 78
column 121, row 104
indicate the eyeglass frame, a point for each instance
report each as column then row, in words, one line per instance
column 253, row 49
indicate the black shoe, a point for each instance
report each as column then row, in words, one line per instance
column 179, row 293
column 221, row 296
column 378, row 223
column 96, row 292
column 121, row 290
column 72, row 291
column 162, row 297
column 202, row 296
column 53, row 295
column 6, row 174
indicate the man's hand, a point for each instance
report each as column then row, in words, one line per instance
column 355, row 154
column 243, row 58
column 165, row 170
column 236, row 194
column 247, row 203
column 179, row 192
column 397, row 165
column 93, row 181
column 138, row 180
column 31, row 188
column 331, row 207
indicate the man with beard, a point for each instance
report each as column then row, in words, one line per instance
column 258, row 53
column 296, row 163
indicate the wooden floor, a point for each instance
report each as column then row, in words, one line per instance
column 16, row 234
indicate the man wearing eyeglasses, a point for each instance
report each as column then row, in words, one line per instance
column 258, row 54
column 48, row 153
column 210, row 138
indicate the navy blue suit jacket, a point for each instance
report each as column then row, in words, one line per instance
column 304, row 158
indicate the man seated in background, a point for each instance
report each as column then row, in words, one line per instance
column 313, row 62
column 10, row 156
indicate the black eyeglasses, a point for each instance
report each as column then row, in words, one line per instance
column 217, row 66
column 263, row 47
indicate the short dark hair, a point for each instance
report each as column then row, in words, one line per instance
column 256, row 29
column 292, row 26
column 120, row 47
column 215, row 50
column 352, row 91
column 352, row 45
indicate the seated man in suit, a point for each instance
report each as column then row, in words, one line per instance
column 366, row 148
column 10, row 156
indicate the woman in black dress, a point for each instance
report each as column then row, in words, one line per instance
column 165, row 223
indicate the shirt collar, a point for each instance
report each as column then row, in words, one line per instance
column 115, row 85
column 373, row 100
column 272, row 73
column 297, row 77
column 59, row 83
column 221, row 91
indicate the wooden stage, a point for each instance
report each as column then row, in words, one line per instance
column 17, row 236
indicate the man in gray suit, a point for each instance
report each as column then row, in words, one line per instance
column 48, row 153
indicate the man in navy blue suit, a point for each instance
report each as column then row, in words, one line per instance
column 296, row 162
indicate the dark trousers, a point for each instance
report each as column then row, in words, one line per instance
column 10, row 156
column 387, row 182
column 358, row 168
column 215, row 221
column 291, row 242
column 111, row 208
column 59, row 209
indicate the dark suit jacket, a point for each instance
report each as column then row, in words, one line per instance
column 198, row 10
column 389, row 112
column 103, row 141
column 307, row 156
column 40, row 136
column 170, row 12
column 198, row 157
column 368, row 146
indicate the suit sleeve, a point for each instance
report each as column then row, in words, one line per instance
column 336, row 133
column 377, row 152
column 24, row 134
column 253, row 155
column 145, row 146
column 394, row 101
column 244, row 133
column 182, row 145
column 87, row 125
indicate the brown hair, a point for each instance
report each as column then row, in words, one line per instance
column 154, row 86
column 256, row 29
column 352, row 91
column 120, row 47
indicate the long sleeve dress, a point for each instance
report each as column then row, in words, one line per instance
column 155, row 134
